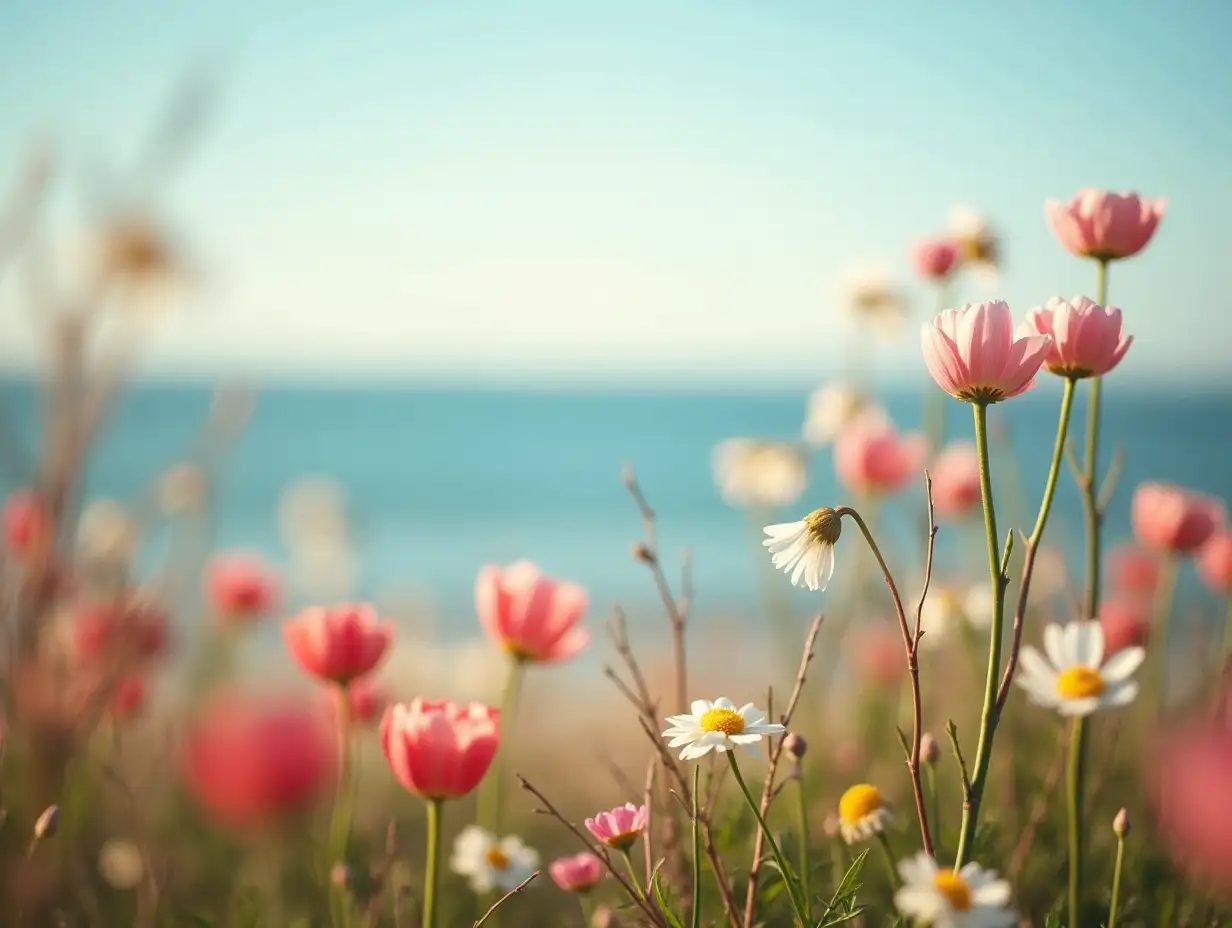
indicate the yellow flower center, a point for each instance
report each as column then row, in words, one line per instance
column 1079, row 683
column 955, row 889
column 728, row 721
column 860, row 801
column 498, row 858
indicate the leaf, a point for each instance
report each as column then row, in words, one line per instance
column 661, row 894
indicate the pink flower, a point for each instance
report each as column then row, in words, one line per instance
column 129, row 698
column 1134, row 570
column 1086, row 337
column 253, row 761
column 935, row 258
column 240, row 586
column 620, row 827
column 956, row 480
column 365, row 699
column 1170, row 518
column 879, row 655
column 529, row 614
column 872, row 458
column 439, row 750
column 1126, row 624
column 26, row 525
column 120, row 631
column 577, row 874
column 337, row 643
column 1193, row 802
column 973, row 356
column 1102, row 225
column 1215, row 562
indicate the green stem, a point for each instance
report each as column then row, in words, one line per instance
column 1165, row 590
column 1116, row 881
column 492, row 791
column 988, row 716
column 802, row 826
column 695, row 911
column 339, row 827
column 1077, row 764
column 793, row 890
column 1090, row 473
column 430, row 867
column 887, row 854
column 934, row 801
column 633, row 877
column 588, row 909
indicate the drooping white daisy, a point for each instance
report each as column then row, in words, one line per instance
column 835, row 406
column 862, row 813
column 941, row 898
column 1075, row 679
column 806, row 548
column 753, row 472
column 490, row 862
column 717, row 726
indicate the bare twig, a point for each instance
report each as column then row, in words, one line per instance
column 768, row 791
column 513, row 892
column 965, row 778
column 1112, row 477
column 648, row 834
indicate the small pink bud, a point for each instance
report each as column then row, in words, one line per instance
column 930, row 752
column 1120, row 823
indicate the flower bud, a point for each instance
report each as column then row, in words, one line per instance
column 603, row 918
column 643, row 553
column 48, row 823
column 930, row 752
column 1120, row 823
column 795, row 746
column 340, row 875
column 825, row 524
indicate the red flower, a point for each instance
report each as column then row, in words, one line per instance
column 337, row 643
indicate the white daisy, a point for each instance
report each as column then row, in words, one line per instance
column 491, row 863
column 979, row 244
column 1074, row 679
column 862, row 813
column 940, row 898
column 752, row 472
column 870, row 294
column 717, row 726
column 977, row 606
column 806, row 548
column 834, row 407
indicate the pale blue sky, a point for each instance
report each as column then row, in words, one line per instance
column 634, row 190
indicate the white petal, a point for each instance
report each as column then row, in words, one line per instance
column 746, row 738
column 1088, row 640
column 1033, row 664
column 765, row 728
column 700, row 706
column 682, row 739
column 785, row 529
column 826, row 571
column 920, row 902
column 996, row 893
column 799, row 569
column 724, row 703
column 1121, row 666
column 1078, row 707
column 1054, row 646
column 1120, row 695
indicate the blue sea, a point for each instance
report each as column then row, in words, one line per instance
column 443, row 480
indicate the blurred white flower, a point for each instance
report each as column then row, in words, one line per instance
column 120, row 864
column 942, row 614
column 872, row 296
column 979, row 247
column 182, row 490
column 492, row 863
column 466, row 670
column 942, row 898
column 107, row 533
column 1074, row 678
column 324, row 570
column 752, row 473
column 835, row 406
column 138, row 261
column 977, row 606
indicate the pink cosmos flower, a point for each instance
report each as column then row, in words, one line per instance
column 1126, row 624
column 1215, row 562
column 440, row 749
column 26, row 525
column 1193, row 802
column 1170, row 518
column 956, row 480
column 337, row 643
column 935, row 258
column 253, row 761
column 577, row 874
column 973, row 356
column 1102, row 225
column 1134, row 569
column 530, row 615
column 871, row 457
column 1086, row 337
column 620, row 827
column 240, row 586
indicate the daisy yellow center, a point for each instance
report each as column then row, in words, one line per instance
column 728, row 721
column 498, row 858
column 1079, row 683
column 857, row 803
column 955, row 889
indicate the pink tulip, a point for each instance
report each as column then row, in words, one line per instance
column 337, row 643
column 1126, row 624
column 529, row 614
column 872, row 458
column 620, row 827
column 956, row 480
column 1134, row 570
column 253, row 761
column 240, row 586
column 1193, row 802
column 935, row 258
column 973, row 356
column 26, row 525
column 1172, row 519
column 1215, row 562
column 440, row 750
column 1102, row 225
column 1086, row 337
column 577, row 874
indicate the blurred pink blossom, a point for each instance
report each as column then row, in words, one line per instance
column 337, row 643
column 973, row 356
column 577, row 874
column 240, row 586
column 1215, row 562
column 440, row 749
column 935, row 258
column 26, row 525
column 1103, row 225
column 530, row 615
column 956, row 480
column 1134, row 569
column 1126, row 623
column 1193, row 802
column 879, row 654
column 130, row 630
column 1173, row 519
column 871, row 457
column 1086, row 337
column 620, row 827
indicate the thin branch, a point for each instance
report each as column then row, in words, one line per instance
column 509, row 895
column 768, row 791
column 1113, row 476
column 965, row 778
